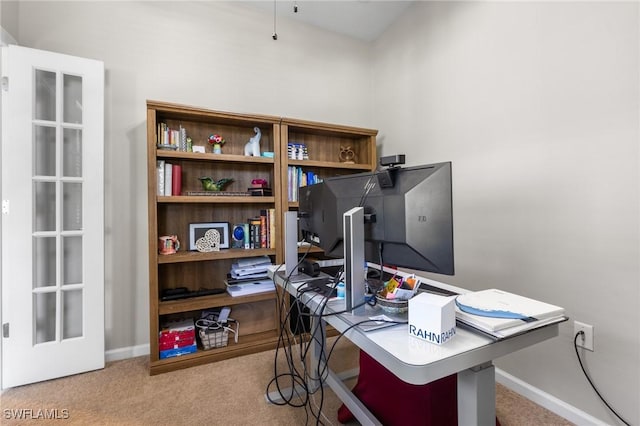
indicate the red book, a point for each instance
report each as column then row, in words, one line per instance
column 176, row 183
column 263, row 229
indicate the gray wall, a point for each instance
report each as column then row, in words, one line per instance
column 209, row 54
column 537, row 106
column 9, row 19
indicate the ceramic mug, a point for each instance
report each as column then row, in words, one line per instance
column 168, row 244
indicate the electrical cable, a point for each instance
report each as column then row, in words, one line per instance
column 575, row 346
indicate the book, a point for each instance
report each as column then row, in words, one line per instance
column 160, row 173
column 168, row 181
column 254, row 275
column 254, row 232
column 251, row 261
column 263, row 228
column 247, row 270
column 247, row 236
column 176, row 175
column 260, row 192
column 272, row 227
column 495, row 310
column 252, row 287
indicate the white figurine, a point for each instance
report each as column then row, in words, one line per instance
column 253, row 146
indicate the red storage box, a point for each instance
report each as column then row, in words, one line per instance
column 177, row 334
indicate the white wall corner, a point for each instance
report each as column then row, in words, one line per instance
column 546, row 400
column 6, row 38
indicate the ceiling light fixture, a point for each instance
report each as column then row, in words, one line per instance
column 275, row 34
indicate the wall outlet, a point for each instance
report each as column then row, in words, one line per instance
column 586, row 340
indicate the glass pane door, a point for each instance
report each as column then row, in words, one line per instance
column 57, row 179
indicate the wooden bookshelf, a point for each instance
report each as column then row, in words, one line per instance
column 172, row 214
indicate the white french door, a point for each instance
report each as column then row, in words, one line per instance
column 52, row 215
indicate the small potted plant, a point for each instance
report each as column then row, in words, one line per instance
column 216, row 141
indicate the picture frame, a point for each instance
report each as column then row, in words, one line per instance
column 197, row 230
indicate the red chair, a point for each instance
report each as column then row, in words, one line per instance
column 395, row 402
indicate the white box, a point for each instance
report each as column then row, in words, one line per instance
column 432, row 317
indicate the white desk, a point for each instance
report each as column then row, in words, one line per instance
column 469, row 354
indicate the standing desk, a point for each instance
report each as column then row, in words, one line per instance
column 468, row 354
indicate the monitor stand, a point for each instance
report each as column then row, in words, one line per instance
column 291, row 272
column 354, row 264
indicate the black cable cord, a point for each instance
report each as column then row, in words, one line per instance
column 284, row 344
column 575, row 346
column 298, row 378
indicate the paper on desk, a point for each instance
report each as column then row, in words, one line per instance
column 381, row 319
column 494, row 310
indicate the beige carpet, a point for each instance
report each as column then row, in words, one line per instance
column 229, row 392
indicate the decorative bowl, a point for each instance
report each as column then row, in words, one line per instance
column 392, row 306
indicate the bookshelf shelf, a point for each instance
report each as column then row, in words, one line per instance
column 216, row 199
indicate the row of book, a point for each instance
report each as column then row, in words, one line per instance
column 169, row 178
column 258, row 232
column 172, row 138
column 296, row 178
column 297, row 151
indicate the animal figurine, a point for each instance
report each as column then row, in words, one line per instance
column 347, row 155
column 252, row 148
column 208, row 184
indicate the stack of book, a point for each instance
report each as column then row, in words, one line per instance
column 502, row 314
column 249, row 276
column 169, row 178
column 296, row 178
column 260, row 192
column 177, row 338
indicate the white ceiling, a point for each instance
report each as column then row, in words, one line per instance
column 361, row 19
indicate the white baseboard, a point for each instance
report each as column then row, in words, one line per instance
column 125, row 353
column 550, row 402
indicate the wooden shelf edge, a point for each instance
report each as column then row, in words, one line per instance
column 211, row 199
column 256, row 343
column 296, row 124
column 209, row 157
column 198, row 112
column 329, row 165
column 214, row 301
column 195, row 256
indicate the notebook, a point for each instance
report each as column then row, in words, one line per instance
column 495, row 310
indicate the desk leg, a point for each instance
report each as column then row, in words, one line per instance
column 477, row 396
column 317, row 352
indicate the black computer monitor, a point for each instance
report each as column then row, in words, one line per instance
column 408, row 215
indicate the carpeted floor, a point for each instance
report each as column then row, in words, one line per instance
column 230, row 392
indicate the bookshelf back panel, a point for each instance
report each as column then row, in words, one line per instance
column 327, row 147
column 194, row 275
column 255, row 317
column 242, row 174
column 174, row 219
column 235, row 136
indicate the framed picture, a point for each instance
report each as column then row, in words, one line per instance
column 197, row 230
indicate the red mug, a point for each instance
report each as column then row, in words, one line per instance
column 168, row 244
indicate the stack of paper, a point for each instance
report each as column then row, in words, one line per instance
column 249, row 276
column 250, row 268
column 246, row 288
column 502, row 314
